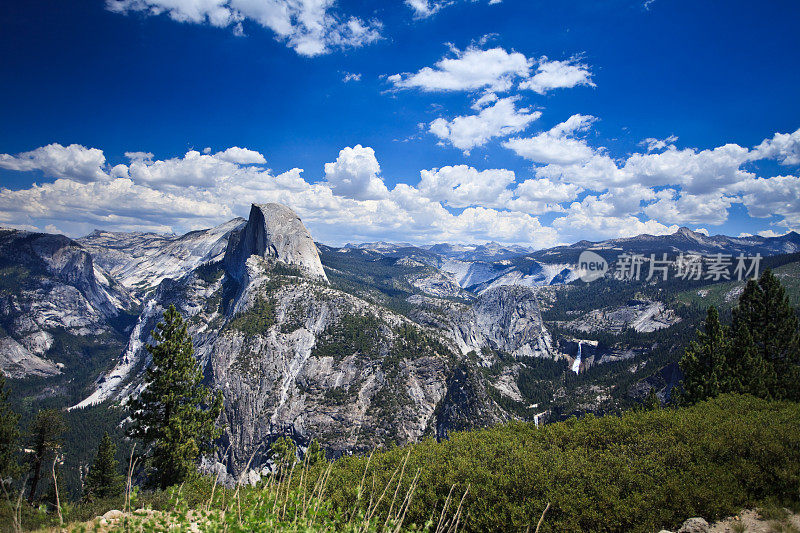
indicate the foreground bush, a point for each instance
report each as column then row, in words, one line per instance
column 637, row 472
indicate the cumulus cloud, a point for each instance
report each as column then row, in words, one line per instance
column 652, row 144
column 242, row 156
column 463, row 186
column 769, row 233
column 76, row 208
column 310, row 27
column 56, row 161
column 557, row 145
column 355, row 174
column 470, row 69
column 697, row 171
column 558, row 75
column 497, row 70
column 500, row 119
column 674, row 207
column 193, row 169
column 540, row 196
column 765, row 197
column 784, row 147
column 351, row 76
column 425, row 8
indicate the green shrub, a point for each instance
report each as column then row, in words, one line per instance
column 641, row 471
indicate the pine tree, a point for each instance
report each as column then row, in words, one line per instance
column 9, row 435
column 104, row 479
column 283, row 453
column 315, row 453
column 780, row 338
column 765, row 314
column 45, row 440
column 750, row 374
column 704, row 364
column 175, row 414
column 652, row 402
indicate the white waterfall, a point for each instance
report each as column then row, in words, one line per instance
column 576, row 365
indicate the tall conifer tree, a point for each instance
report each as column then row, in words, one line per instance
column 175, row 415
column 765, row 313
column 45, row 440
column 704, row 364
column 9, row 435
column 104, row 479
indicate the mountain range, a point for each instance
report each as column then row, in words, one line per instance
column 356, row 346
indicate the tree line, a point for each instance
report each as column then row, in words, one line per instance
column 757, row 354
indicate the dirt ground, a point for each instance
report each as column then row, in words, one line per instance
column 750, row 522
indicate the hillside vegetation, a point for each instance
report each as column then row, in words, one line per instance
column 638, row 472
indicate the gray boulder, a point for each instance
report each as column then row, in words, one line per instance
column 694, row 525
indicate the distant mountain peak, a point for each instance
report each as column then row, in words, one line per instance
column 689, row 234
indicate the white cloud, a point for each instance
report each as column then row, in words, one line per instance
column 76, row 208
column 696, row 171
column 771, row 196
column 425, row 8
column 645, row 193
column 496, row 70
column 540, row 196
column 485, row 99
column 193, row 169
column 674, row 207
column 558, row 75
column 463, row 186
column 596, row 173
column 556, row 146
column 785, row 147
column 652, row 144
column 310, row 27
column 771, row 233
column 498, row 120
column 351, row 76
column 470, row 69
column 355, row 174
column 148, row 156
column 242, row 156
column 56, row 161
column 580, row 223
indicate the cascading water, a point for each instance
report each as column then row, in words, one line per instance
column 576, row 365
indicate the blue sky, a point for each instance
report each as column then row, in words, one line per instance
column 517, row 121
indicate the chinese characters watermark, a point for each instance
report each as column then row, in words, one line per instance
column 696, row 267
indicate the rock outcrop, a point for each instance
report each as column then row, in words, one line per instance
column 275, row 232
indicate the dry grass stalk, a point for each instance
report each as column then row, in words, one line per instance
column 55, row 487
column 541, row 519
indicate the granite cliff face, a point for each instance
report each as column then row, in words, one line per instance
column 51, row 291
column 273, row 232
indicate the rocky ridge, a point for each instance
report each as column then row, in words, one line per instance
column 51, row 290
